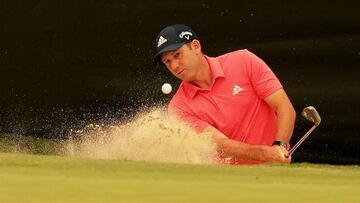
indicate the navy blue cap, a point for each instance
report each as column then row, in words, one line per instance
column 171, row 38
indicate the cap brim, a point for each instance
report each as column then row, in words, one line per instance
column 171, row 47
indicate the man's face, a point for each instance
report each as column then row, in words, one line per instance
column 183, row 62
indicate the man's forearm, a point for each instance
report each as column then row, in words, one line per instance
column 285, row 123
column 241, row 151
column 246, row 152
column 237, row 150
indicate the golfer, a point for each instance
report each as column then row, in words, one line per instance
column 235, row 97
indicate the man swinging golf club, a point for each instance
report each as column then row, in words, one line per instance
column 235, row 97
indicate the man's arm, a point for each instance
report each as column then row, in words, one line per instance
column 268, row 87
column 285, row 113
column 246, row 152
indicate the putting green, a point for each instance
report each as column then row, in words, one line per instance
column 36, row 178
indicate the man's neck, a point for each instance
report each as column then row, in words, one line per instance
column 203, row 79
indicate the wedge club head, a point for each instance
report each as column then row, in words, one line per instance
column 310, row 114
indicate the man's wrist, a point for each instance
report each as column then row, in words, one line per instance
column 280, row 143
column 264, row 152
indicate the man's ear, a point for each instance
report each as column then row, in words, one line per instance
column 196, row 45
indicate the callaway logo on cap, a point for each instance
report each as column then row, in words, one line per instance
column 172, row 38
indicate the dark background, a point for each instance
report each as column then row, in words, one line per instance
column 64, row 64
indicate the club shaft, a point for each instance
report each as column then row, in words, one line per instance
column 301, row 140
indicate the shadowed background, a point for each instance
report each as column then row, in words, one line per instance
column 65, row 64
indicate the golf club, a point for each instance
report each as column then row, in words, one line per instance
column 310, row 114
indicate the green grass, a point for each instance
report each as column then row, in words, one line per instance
column 39, row 178
column 30, row 144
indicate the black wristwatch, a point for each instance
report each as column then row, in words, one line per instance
column 280, row 143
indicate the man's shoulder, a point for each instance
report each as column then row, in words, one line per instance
column 235, row 60
column 235, row 54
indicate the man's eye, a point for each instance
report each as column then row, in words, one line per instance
column 177, row 55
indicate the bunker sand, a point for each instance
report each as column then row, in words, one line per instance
column 150, row 136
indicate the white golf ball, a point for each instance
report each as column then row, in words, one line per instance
column 166, row 88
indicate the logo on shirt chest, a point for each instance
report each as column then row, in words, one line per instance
column 236, row 90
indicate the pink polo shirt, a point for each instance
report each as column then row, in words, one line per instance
column 234, row 104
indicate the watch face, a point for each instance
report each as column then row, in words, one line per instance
column 280, row 143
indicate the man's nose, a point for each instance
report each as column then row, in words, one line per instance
column 174, row 65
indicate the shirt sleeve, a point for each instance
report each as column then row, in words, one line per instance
column 186, row 116
column 261, row 76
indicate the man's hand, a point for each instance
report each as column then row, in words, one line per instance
column 277, row 154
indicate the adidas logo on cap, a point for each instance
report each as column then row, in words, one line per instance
column 161, row 41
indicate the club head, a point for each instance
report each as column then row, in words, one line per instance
column 310, row 114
